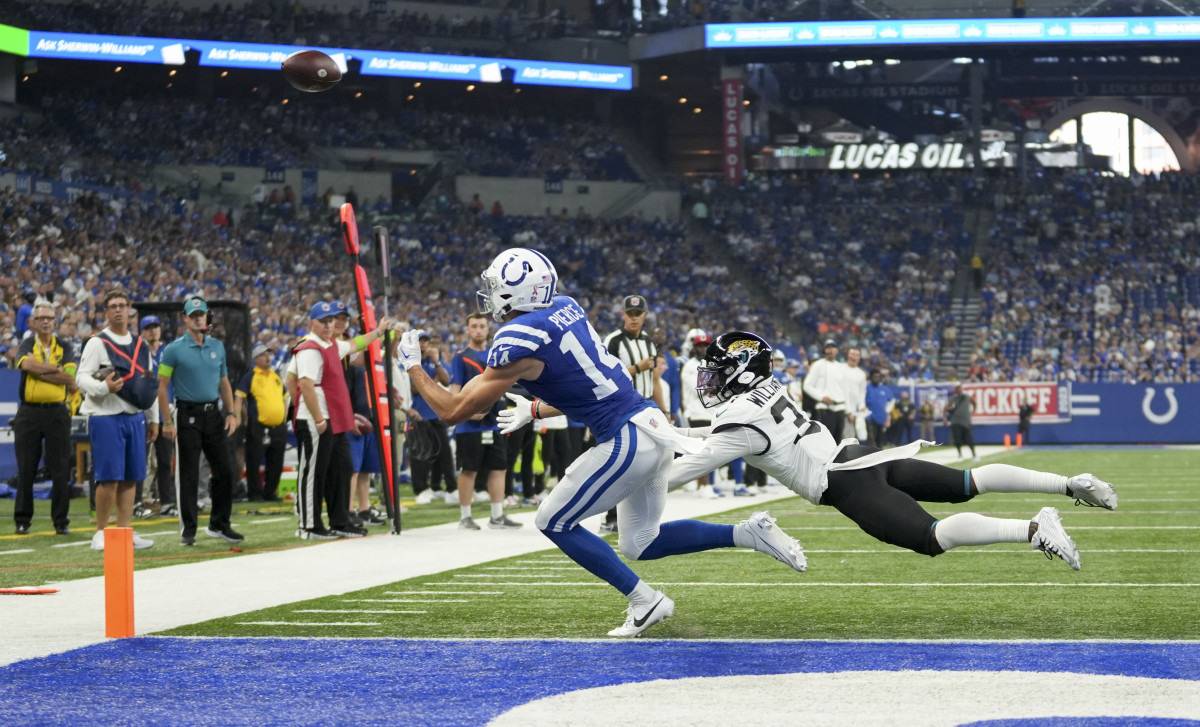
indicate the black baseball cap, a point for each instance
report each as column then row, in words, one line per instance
column 635, row 303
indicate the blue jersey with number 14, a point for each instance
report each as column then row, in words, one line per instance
column 581, row 379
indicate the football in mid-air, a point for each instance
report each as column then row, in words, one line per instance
column 363, row 425
column 311, row 71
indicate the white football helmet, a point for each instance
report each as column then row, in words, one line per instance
column 518, row 279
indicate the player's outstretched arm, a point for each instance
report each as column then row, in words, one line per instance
column 719, row 450
column 479, row 392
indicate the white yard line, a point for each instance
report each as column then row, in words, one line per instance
column 1018, row 550
column 558, row 567
column 830, row 584
column 349, row 610
column 443, row 593
column 15, row 552
column 308, row 623
column 406, row 600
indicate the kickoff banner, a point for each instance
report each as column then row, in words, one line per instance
column 1073, row 413
column 1000, row 403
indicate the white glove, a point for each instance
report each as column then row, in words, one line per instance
column 409, row 349
column 520, row 414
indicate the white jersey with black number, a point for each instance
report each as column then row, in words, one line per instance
column 770, row 431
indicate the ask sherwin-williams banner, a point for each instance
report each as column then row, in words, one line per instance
column 265, row 56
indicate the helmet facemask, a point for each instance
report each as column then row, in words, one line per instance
column 710, row 388
column 492, row 299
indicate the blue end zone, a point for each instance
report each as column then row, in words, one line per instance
column 394, row 682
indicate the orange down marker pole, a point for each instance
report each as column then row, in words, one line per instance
column 118, row 583
column 1019, row 442
column 1008, row 441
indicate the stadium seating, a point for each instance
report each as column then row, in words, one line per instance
column 92, row 135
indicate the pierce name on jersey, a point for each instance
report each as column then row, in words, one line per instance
column 579, row 372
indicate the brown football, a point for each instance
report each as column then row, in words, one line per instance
column 311, row 71
column 363, row 425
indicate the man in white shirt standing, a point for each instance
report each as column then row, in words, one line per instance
column 826, row 384
column 122, row 411
column 856, row 391
column 696, row 414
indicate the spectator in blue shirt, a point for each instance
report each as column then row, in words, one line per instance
column 23, row 313
column 441, row 465
column 879, row 403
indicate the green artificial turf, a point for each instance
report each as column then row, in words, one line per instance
column 1140, row 577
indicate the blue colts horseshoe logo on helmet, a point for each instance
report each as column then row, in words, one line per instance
column 526, row 268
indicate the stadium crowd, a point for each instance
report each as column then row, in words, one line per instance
column 91, row 136
column 1092, row 278
column 72, row 252
column 868, row 261
column 873, row 259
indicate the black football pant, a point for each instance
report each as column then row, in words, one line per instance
column 276, row 444
column 441, row 467
column 521, row 443
column 834, row 421
column 202, row 429
column 164, row 471
column 556, row 452
column 323, row 476
column 882, row 499
column 33, row 425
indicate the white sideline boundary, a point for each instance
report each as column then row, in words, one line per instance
column 168, row 597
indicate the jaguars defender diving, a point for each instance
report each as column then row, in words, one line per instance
column 877, row 489
column 547, row 344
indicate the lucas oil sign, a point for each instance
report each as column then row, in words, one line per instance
column 945, row 155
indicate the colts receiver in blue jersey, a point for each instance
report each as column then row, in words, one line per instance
column 581, row 379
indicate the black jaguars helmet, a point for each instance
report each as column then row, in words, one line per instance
column 735, row 363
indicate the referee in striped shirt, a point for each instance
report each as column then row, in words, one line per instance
column 638, row 353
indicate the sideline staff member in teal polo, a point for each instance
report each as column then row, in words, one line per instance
column 195, row 363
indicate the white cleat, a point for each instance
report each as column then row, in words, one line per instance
column 1052, row 539
column 769, row 539
column 139, row 543
column 1087, row 489
column 640, row 618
